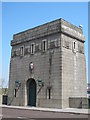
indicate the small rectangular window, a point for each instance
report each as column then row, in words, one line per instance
column 22, row 51
column 75, row 47
column 32, row 48
column 15, row 92
column 44, row 45
column 49, row 93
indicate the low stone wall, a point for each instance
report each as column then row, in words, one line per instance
column 50, row 103
column 78, row 102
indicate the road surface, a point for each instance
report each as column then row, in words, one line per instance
column 33, row 114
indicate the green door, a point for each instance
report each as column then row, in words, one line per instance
column 88, row 103
column 32, row 93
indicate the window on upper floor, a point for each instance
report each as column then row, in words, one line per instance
column 75, row 46
column 44, row 45
column 32, row 48
column 22, row 51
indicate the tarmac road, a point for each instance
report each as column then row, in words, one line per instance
column 22, row 114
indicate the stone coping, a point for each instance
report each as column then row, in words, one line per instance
column 53, row 27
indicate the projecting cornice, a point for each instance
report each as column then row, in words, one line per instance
column 49, row 28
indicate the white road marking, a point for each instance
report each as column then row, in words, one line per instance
column 24, row 118
column 21, row 117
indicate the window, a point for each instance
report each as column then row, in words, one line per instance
column 32, row 48
column 75, row 47
column 15, row 91
column 49, row 93
column 44, row 45
column 22, row 51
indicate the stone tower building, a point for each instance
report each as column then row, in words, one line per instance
column 48, row 67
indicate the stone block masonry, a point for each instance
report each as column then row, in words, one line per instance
column 48, row 66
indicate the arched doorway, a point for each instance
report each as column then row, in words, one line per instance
column 31, row 92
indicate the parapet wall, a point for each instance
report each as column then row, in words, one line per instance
column 56, row 26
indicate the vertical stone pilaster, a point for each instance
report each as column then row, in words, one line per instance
column 25, row 92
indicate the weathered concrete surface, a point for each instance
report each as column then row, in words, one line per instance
column 61, row 65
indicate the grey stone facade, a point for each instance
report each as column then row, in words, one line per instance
column 56, row 50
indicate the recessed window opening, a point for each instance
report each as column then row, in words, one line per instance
column 22, row 51
column 44, row 45
column 49, row 91
column 74, row 45
column 32, row 48
column 15, row 92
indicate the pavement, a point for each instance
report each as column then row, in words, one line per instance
column 65, row 110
